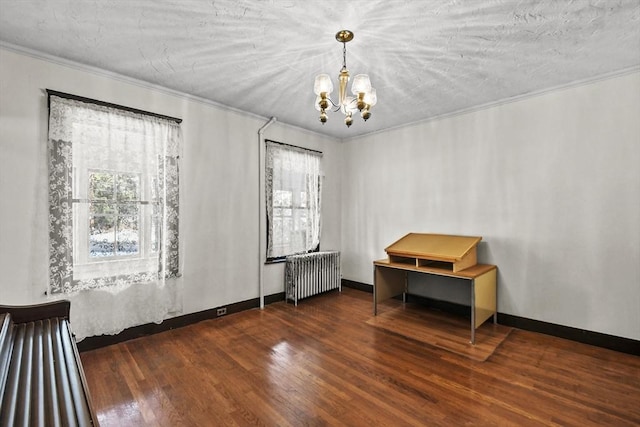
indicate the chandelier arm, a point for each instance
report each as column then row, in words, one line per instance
column 334, row 104
column 338, row 106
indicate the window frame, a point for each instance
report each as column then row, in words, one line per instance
column 282, row 258
column 69, row 186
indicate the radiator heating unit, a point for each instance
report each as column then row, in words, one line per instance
column 311, row 274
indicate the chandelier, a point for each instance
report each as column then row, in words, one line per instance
column 364, row 95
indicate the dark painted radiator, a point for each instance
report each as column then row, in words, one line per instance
column 41, row 377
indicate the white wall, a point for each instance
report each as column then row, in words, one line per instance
column 551, row 183
column 219, row 177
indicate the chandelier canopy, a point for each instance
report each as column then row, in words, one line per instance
column 364, row 95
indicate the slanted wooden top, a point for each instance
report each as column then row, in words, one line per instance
column 439, row 247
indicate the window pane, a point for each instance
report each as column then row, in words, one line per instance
column 298, row 240
column 128, row 208
column 101, row 186
column 128, row 187
column 154, row 189
column 128, row 235
column 281, row 198
column 277, row 230
column 102, row 208
column 101, row 236
column 301, row 221
column 155, row 233
column 287, row 229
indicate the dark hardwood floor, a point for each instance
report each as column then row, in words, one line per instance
column 321, row 364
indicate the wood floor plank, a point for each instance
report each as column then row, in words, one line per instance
column 322, row 364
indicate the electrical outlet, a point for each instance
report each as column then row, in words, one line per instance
column 221, row 311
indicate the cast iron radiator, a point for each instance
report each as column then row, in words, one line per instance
column 311, row 274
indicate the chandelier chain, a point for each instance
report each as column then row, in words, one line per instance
column 344, row 55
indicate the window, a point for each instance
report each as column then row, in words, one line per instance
column 113, row 196
column 293, row 188
column 114, row 214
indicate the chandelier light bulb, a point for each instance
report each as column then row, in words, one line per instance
column 361, row 84
column 371, row 98
column 323, row 84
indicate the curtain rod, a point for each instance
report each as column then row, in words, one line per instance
column 108, row 104
column 293, row 146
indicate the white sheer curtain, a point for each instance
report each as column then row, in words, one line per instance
column 293, row 198
column 113, row 215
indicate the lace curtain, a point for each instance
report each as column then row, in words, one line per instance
column 293, row 189
column 113, row 215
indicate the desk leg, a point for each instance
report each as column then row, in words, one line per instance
column 483, row 300
column 387, row 283
column 375, row 286
column 406, row 288
column 473, row 312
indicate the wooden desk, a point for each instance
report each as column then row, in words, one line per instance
column 439, row 255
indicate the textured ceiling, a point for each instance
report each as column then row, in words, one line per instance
column 425, row 58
